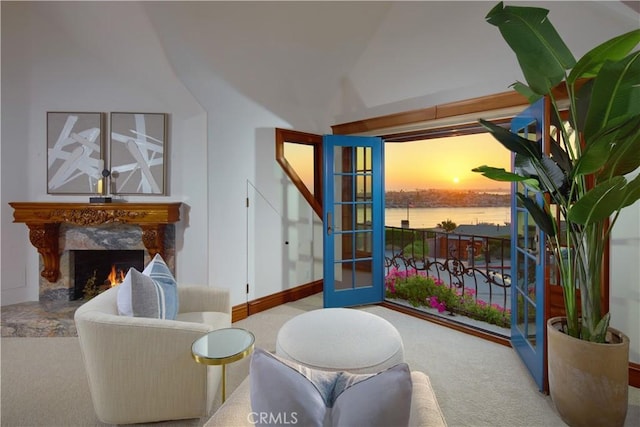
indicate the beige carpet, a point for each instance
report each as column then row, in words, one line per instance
column 477, row 383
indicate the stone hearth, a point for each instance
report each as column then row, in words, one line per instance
column 40, row 319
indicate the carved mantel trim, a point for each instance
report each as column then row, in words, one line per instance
column 44, row 219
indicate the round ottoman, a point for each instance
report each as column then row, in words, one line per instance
column 340, row 339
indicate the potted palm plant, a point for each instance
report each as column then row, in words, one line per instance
column 586, row 180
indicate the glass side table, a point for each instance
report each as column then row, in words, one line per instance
column 223, row 346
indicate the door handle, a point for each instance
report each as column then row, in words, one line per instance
column 329, row 228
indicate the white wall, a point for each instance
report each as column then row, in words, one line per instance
column 228, row 73
column 625, row 276
column 86, row 58
column 15, row 174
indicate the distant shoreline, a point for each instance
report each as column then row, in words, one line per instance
column 446, row 199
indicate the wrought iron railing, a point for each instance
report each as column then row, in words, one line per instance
column 473, row 265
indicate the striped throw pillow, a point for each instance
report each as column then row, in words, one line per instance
column 166, row 287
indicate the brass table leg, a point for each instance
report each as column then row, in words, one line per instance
column 224, row 382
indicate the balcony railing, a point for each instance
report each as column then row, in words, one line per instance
column 474, row 266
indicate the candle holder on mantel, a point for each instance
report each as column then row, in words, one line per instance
column 101, row 189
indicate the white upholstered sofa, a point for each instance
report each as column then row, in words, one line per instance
column 425, row 411
column 141, row 369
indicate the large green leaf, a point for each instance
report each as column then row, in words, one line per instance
column 560, row 156
column 551, row 175
column 542, row 54
column 596, row 154
column 616, row 150
column 611, row 50
column 624, row 152
column 512, row 141
column 526, row 91
column 500, row 174
column 615, row 96
column 541, row 217
column 582, row 101
column 540, row 83
column 599, row 203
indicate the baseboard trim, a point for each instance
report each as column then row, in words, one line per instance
column 289, row 295
column 242, row 311
column 634, row 374
column 239, row 312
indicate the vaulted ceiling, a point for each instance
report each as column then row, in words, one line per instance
column 346, row 57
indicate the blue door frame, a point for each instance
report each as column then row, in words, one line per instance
column 528, row 261
column 353, row 213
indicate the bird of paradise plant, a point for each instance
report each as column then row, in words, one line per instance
column 587, row 176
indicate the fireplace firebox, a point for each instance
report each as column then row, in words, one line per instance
column 97, row 270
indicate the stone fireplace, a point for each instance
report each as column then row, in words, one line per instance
column 95, row 271
column 60, row 231
column 115, row 237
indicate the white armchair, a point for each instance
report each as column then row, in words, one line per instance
column 141, row 369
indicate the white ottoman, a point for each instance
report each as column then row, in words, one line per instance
column 340, row 339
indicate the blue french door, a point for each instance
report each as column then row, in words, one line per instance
column 528, row 260
column 353, row 212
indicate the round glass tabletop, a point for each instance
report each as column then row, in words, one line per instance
column 223, row 346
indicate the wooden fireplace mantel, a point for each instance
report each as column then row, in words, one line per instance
column 44, row 219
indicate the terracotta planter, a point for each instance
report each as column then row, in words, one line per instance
column 588, row 382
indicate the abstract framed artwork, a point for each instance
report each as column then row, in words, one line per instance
column 75, row 152
column 137, row 154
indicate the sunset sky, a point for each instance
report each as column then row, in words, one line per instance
column 443, row 163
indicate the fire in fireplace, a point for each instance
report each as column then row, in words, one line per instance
column 97, row 270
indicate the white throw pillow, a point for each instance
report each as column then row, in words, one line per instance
column 152, row 293
column 125, row 307
column 284, row 393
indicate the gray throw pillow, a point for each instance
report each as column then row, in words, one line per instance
column 152, row 293
column 285, row 393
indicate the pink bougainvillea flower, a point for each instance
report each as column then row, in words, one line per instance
column 434, row 303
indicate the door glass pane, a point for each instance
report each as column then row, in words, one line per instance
column 343, row 276
column 343, row 159
column 343, row 246
column 363, row 277
column 529, row 132
column 531, row 324
column 363, row 187
column 364, row 216
column 363, row 159
column 364, row 241
column 337, row 218
column 520, row 312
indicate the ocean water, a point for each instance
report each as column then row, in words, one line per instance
column 430, row 217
